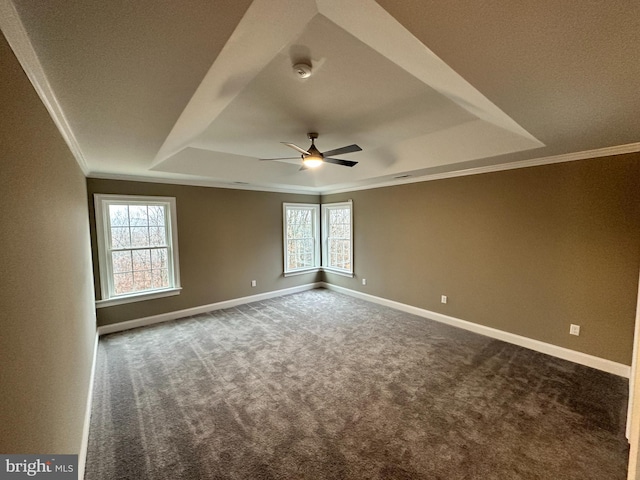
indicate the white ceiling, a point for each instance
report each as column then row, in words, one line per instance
column 158, row 91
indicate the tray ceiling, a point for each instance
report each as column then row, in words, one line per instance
column 199, row 95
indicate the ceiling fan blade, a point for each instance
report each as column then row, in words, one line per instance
column 280, row 158
column 337, row 161
column 295, row 147
column 343, row 150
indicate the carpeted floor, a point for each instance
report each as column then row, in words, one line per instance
column 319, row 385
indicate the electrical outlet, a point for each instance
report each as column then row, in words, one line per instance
column 253, row 283
column 443, row 299
column 364, row 281
column 574, row 329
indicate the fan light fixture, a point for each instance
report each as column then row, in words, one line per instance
column 313, row 158
column 312, row 161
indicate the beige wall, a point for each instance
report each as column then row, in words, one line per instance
column 226, row 239
column 526, row 251
column 47, row 322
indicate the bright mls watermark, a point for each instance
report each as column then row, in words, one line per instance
column 50, row 467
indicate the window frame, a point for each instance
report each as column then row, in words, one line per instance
column 105, row 264
column 315, row 211
column 326, row 208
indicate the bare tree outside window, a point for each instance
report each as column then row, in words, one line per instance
column 339, row 238
column 303, row 237
column 301, row 229
column 337, row 234
column 137, row 246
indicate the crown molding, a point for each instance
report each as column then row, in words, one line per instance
column 200, row 183
column 16, row 35
column 534, row 162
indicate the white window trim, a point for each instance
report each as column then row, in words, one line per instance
column 104, row 263
column 315, row 208
column 137, row 297
column 325, row 239
column 301, row 271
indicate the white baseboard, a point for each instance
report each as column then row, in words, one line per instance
column 542, row 347
column 164, row 317
column 84, row 445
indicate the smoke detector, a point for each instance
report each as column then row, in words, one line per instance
column 302, row 70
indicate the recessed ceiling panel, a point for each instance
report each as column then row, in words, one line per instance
column 279, row 106
column 400, row 103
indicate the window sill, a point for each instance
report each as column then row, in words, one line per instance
column 139, row 297
column 301, row 272
column 338, row 272
column 320, row 269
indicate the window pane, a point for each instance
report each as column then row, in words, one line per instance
column 291, row 221
column 341, row 254
column 121, row 261
column 300, row 224
column 291, row 251
column 157, row 236
column 141, row 260
column 119, row 215
column 156, row 215
column 307, row 244
column 143, row 277
column 160, row 278
column 300, row 253
column 142, row 280
column 333, row 253
column 139, row 236
column 338, row 239
column 120, row 237
column 307, row 259
column 138, row 243
column 159, row 258
column 138, row 215
column 338, row 231
column 301, row 228
column 304, row 253
column 123, row 283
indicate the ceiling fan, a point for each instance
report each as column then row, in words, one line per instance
column 312, row 157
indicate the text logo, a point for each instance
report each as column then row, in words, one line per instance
column 49, row 467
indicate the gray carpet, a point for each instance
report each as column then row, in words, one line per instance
column 319, row 385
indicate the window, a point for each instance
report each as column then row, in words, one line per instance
column 337, row 234
column 303, row 238
column 301, row 231
column 137, row 248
